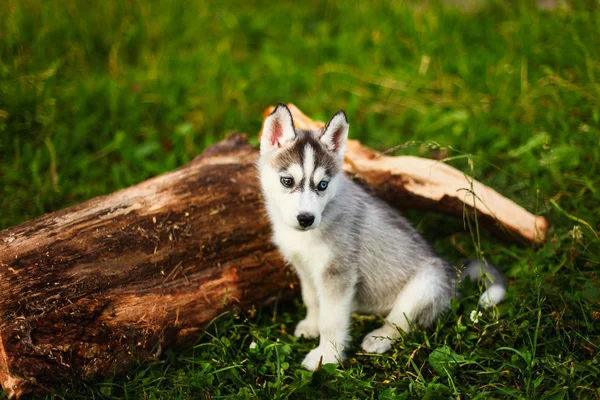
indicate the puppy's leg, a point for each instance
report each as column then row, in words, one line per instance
column 380, row 340
column 422, row 298
column 335, row 290
column 309, row 326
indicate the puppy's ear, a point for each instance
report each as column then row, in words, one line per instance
column 278, row 129
column 335, row 134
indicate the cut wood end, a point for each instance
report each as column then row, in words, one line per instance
column 541, row 229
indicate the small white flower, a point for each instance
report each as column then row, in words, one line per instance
column 585, row 128
column 576, row 233
column 475, row 316
column 252, row 345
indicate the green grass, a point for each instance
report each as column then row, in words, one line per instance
column 96, row 96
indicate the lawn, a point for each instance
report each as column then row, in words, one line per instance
column 97, row 96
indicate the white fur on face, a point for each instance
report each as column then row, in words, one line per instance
column 303, row 197
column 320, row 175
column 309, row 163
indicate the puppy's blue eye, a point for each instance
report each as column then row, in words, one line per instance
column 322, row 185
column 287, row 181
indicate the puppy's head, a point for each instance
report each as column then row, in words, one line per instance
column 300, row 170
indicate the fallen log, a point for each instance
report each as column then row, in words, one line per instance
column 87, row 290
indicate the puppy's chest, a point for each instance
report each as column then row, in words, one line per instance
column 305, row 250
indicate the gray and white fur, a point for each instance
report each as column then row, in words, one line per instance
column 352, row 252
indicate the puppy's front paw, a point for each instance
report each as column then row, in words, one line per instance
column 307, row 328
column 378, row 341
column 329, row 356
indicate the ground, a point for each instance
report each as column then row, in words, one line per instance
column 98, row 96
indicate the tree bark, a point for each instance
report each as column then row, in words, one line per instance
column 86, row 290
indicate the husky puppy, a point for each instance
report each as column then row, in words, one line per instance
column 351, row 251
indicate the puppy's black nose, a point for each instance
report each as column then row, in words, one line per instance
column 305, row 219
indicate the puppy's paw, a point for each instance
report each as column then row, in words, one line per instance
column 307, row 328
column 379, row 341
column 321, row 355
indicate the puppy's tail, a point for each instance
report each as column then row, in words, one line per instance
column 494, row 281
